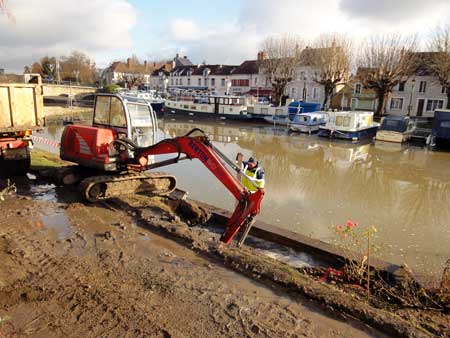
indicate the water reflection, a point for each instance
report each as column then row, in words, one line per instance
column 313, row 184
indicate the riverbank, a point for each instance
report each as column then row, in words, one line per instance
column 141, row 218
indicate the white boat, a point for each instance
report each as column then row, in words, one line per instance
column 349, row 125
column 266, row 111
column 281, row 120
column 156, row 101
column 212, row 106
column 308, row 122
column 396, row 129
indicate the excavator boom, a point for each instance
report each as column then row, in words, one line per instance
column 200, row 147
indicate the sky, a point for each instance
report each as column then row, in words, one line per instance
column 217, row 32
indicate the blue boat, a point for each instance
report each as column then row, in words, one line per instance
column 298, row 107
column 440, row 132
column 308, row 122
column 349, row 125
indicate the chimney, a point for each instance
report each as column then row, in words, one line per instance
column 145, row 64
column 129, row 62
column 261, row 56
column 185, row 57
column 177, row 56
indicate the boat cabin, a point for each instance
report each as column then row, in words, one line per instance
column 350, row 120
column 296, row 107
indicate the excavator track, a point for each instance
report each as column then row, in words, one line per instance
column 97, row 188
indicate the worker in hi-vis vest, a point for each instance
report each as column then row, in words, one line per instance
column 253, row 171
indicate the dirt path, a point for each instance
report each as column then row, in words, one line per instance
column 73, row 270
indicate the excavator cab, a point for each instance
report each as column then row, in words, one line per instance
column 129, row 117
column 115, row 117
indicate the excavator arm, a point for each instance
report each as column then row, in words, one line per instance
column 199, row 147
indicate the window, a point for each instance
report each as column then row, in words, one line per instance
column 423, row 87
column 444, row 90
column 188, row 81
column 222, row 82
column 432, row 105
column 199, row 82
column 315, row 93
column 109, row 111
column 347, row 120
column 358, row 88
column 256, row 81
column 102, row 110
column 117, row 114
column 213, row 82
column 176, row 82
column 171, row 82
column 181, row 82
column 401, row 86
column 240, row 83
column 206, row 82
column 396, row 103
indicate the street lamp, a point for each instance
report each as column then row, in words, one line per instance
column 411, row 96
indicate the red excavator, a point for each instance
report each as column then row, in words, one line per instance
column 115, row 156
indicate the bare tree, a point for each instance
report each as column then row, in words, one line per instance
column 331, row 59
column 281, row 56
column 77, row 67
column 387, row 61
column 439, row 45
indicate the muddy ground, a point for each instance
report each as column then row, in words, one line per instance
column 79, row 270
column 133, row 267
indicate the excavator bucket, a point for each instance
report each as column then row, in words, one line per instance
column 243, row 216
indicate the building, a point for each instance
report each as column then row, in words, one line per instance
column 249, row 79
column 244, row 79
column 419, row 95
column 122, row 72
column 354, row 96
column 215, row 78
column 304, row 85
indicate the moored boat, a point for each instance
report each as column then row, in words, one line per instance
column 213, row 106
column 349, row 125
column 307, row 122
column 285, row 115
column 395, row 128
column 440, row 132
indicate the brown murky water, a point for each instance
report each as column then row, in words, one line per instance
column 313, row 184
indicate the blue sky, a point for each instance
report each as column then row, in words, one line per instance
column 226, row 32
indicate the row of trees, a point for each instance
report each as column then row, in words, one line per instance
column 77, row 67
column 385, row 60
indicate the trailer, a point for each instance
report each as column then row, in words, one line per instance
column 21, row 113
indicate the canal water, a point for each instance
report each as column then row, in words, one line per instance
column 313, row 185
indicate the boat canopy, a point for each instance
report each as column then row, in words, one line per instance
column 441, row 124
column 303, row 107
column 395, row 123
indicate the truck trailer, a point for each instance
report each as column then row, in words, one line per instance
column 21, row 113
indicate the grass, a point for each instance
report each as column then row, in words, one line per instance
column 41, row 159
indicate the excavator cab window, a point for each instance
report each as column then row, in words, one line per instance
column 143, row 124
column 109, row 111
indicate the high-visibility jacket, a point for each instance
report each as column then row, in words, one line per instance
column 253, row 174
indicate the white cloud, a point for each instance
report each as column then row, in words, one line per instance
column 393, row 11
column 184, row 30
column 234, row 41
column 57, row 27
